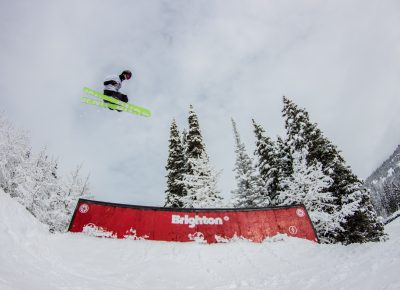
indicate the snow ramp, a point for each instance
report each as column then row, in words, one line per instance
column 104, row 219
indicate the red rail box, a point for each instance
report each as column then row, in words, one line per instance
column 183, row 225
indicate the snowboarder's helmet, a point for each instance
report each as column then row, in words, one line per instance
column 128, row 74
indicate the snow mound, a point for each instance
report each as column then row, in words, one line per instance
column 32, row 258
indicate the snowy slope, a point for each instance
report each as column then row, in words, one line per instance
column 389, row 170
column 31, row 258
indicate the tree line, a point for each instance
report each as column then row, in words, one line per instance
column 303, row 166
column 34, row 181
column 390, row 200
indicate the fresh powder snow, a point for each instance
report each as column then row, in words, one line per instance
column 33, row 258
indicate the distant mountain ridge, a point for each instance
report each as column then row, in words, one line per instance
column 386, row 174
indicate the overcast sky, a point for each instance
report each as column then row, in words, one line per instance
column 338, row 59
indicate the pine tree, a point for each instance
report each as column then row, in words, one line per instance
column 199, row 179
column 201, row 185
column 308, row 185
column 175, row 169
column 355, row 213
column 248, row 189
column 267, row 165
column 184, row 143
column 284, row 158
column 184, row 140
column 194, row 140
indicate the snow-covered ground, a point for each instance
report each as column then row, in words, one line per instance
column 32, row 258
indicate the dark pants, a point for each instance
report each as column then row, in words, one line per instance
column 115, row 95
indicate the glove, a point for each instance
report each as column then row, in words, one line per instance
column 124, row 98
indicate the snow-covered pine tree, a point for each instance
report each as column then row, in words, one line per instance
column 284, row 158
column 268, row 166
column 184, row 142
column 199, row 179
column 194, row 140
column 175, row 169
column 248, row 189
column 309, row 185
column 201, row 185
column 356, row 215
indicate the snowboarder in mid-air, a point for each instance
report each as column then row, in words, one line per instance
column 113, row 83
